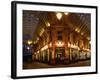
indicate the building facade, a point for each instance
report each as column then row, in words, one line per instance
column 61, row 44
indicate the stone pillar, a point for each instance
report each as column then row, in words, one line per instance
column 65, row 40
column 53, row 33
column 48, row 55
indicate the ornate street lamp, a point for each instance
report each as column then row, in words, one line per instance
column 66, row 13
column 59, row 16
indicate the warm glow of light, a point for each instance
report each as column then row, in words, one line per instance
column 90, row 42
column 44, row 48
column 59, row 16
column 50, row 45
column 76, row 47
column 86, row 49
column 66, row 13
column 69, row 44
column 48, row 24
column 37, row 51
column 88, row 38
column 29, row 42
column 73, row 46
column 77, row 30
column 36, row 40
column 59, row 44
column 42, row 31
column 82, row 33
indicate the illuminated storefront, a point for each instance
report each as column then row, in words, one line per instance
column 60, row 43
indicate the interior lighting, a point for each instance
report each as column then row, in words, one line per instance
column 59, row 44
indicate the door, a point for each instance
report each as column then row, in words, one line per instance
column 60, row 55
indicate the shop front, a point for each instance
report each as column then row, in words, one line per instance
column 74, row 54
column 60, row 55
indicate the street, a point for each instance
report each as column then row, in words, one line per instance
column 37, row 65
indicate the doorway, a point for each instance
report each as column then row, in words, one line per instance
column 60, row 54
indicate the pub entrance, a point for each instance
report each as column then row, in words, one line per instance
column 60, row 52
